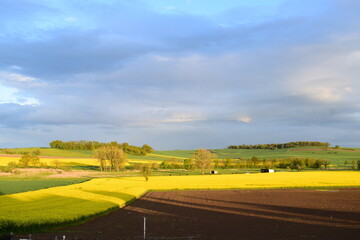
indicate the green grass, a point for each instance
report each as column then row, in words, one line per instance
column 17, row 185
column 176, row 153
column 336, row 157
column 147, row 157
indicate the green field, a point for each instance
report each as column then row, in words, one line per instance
column 17, row 185
column 337, row 157
column 176, row 153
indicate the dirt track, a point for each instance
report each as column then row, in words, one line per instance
column 238, row 214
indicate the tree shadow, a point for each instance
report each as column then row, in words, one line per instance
column 22, row 216
column 285, row 213
column 128, row 198
column 85, row 167
column 169, row 217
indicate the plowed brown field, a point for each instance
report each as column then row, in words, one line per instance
column 231, row 214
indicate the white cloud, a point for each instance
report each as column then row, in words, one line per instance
column 15, row 67
column 244, row 119
column 184, row 117
column 326, row 73
column 325, row 94
column 12, row 95
column 15, row 77
column 348, row 89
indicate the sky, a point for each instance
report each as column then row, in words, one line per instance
column 179, row 74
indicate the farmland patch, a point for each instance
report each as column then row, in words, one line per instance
column 240, row 214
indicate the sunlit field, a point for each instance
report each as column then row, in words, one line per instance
column 4, row 161
column 74, row 203
column 337, row 157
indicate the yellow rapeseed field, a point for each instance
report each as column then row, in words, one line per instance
column 73, row 203
column 4, row 161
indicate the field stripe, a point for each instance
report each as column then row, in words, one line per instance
column 73, row 203
column 158, row 155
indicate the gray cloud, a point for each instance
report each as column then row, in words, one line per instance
column 120, row 71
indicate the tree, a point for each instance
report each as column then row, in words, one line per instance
column 37, row 152
column 147, row 148
column 28, row 160
column 188, row 164
column 56, row 163
column 202, row 159
column 216, row 163
column 25, row 160
column 11, row 166
column 326, row 146
column 110, row 158
column 35, row 161
column 146, row 171
column 255, row 160
column 228, row 163
column 326, row 164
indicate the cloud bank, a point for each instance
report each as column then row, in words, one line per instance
column 179, row 77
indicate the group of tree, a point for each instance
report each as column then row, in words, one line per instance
column 273, row 146
column 354, row 164
column 300, row 163
column 111, row 158
column 173, row 163
column 27, row 160
column 201, row 159
column 211, row 161
column 93, row 145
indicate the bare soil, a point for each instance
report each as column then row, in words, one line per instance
column 229, row 214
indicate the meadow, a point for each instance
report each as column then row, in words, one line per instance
column 36, row 210
column 81, row 164
column 336, row 156
column 11, row 185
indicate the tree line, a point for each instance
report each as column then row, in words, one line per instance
column 273, row 146
column 254, row 162
column 93, row 145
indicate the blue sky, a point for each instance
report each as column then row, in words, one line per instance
column 179, row 74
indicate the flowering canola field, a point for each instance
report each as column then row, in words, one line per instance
column 75, row 203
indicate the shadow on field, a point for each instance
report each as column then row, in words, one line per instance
column 225, row 215
column 86, row 167
column 28, row 215
column 315, row 216
column 128, row 198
